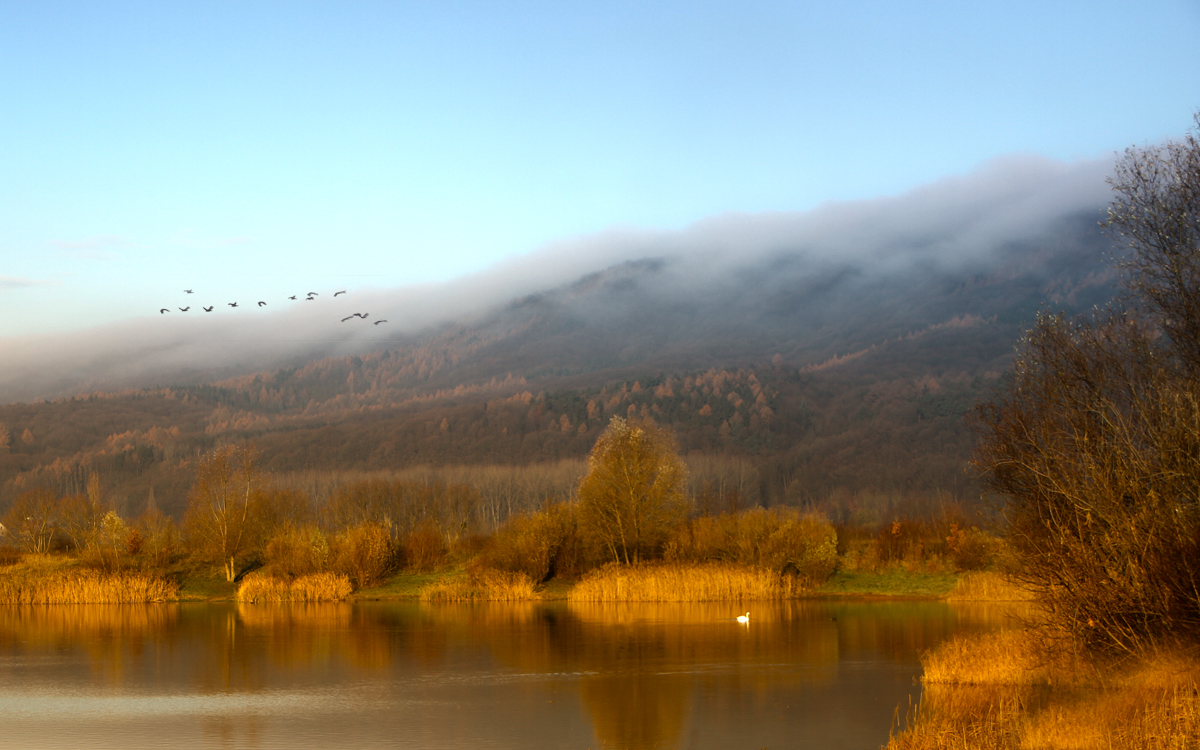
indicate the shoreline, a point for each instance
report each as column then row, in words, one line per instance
column 190, row 585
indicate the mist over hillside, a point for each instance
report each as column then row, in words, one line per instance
column 809, row 285
column 822, row 359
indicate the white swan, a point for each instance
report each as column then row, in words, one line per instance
column 744, row 619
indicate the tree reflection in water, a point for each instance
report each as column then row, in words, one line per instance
column 629, row 675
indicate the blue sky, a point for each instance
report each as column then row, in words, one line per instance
column 258, row 150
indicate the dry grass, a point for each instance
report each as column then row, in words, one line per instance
column 1006, row 657
column 987, row 586
column 704, row 582
column 318, row 587
column 482, row 585
column 1004, row 691
column 39, row 579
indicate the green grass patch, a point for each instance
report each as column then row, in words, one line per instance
column 897, row 582
column 556, row 589
column 404, row 585
column 205, row 585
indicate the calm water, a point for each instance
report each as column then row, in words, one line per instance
column 399, row 675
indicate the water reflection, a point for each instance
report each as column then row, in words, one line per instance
column 548, row 674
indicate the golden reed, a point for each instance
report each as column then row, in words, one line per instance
column 702, row 582
column 318, row 587
column 482, row 585
column 986, row 586
column 1003, row 691
column 81, row 586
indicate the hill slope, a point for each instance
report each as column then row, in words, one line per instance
column 833, row 381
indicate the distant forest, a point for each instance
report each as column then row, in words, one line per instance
column 839, row 438
column 836, row 389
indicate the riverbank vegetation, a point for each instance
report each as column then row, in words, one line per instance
column 395, row 540
column 1095, row 444
column 632, row 528
column 43, row 579
column 1010, row 690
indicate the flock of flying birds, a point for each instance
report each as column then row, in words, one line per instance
column 311, row 296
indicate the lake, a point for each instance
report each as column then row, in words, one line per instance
column 800, row 674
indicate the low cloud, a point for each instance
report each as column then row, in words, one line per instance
column 20, row 282
column 951, row 224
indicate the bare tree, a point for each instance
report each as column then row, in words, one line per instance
column 1096, row 441
column 225, row 514
column 33, row 519
column 634, row 491
column 1156, row 212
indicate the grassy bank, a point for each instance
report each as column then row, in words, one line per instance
column 896, row 582
column 481, row 585
column 1007, row 690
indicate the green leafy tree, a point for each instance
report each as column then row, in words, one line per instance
column 633, row 494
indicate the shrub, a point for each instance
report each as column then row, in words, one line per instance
column 540, row 545
column 424, row 547
column 9, row 555
column 781, row 539
column 293, row 552
column 366, row 553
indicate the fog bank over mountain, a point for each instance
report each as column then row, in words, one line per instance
column 810, row 285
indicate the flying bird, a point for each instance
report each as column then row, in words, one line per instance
column 189, row 291
column 262, row 304
column 348, row 317
column 380, row 321
column 208, row 309
column 292, row 297
column 185, row 309
column 164, row 310
column 337, row 293
column 308, row 299
column 231, row 304
column 362, row 315
column 312, row 294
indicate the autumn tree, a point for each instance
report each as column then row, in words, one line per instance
column 80, row 515
column 633, row 493
column 33, row 519
column 226, row 514
column 1096, row 441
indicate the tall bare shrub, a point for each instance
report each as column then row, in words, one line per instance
column 1097, row 439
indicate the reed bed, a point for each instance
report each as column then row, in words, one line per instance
column 482, row 585
column 318, row 587
column 71, row 585
column 1003, row 691
column 703, row 582
column 1006, row 657
column 986, row 586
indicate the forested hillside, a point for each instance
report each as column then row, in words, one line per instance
column 836, row 385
